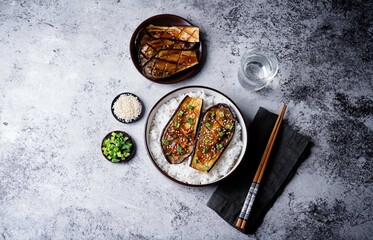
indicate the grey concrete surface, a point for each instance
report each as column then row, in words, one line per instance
column 62, row 63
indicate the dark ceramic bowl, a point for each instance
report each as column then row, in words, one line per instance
column 166, row 20
column 210, row 92
column 126, row 135
column 122, row 120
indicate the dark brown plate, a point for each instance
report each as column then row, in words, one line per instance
column 126, row 135
column 166, row 20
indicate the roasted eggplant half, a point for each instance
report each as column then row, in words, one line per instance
column 178, row 137
column 182, row 33
column 215, row 133
column 152, row 47
column 168, row 62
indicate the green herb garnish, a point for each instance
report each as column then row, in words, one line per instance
column 206, row 168
column 229, row 126
column 117, row 147
column 219, row 146
column 205, row 150
column 208, row 125
column 221, row 134
column 179, row 149
column 190, row 107
column 195, row 160
column 168, row 154
column 207, row 140
column 190, row 120
column 177, row 124
column 165, row 142
column 222, row 115
column 181, row 113
column 212, row 114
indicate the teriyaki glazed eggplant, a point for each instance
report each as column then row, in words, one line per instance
column 166, row 50
column 178, row 137
column 215, row 133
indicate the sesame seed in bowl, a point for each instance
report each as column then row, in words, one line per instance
column 127, row 107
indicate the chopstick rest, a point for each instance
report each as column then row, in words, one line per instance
column 250, row 198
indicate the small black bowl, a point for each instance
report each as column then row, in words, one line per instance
column 126, row 135
column 122, row 120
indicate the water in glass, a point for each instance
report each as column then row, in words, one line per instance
column 258, row 67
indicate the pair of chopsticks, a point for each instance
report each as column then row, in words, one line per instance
column 249, row 201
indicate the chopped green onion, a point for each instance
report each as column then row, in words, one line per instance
column 205, row 150
column 212, row 114
column 117, row 147
column 207, row 168
column 221, row 134
column 195, row 160
column 189, row 137
column 168, row 154
column 179, row 149
column 177, row 124
column 190, row 107
column 190, row 120
column 208, row 125
column 219, row 146
column 222, row 115
column 165, row 142
column 174, row 136
column 207, row 140
column 181, row 113
column 229, row 126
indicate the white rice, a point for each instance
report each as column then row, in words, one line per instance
column 183, row 172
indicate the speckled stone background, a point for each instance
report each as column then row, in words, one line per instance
column 62, row 63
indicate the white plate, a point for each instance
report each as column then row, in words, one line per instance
column 209, row 92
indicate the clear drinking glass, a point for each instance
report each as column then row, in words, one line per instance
column 258, row 67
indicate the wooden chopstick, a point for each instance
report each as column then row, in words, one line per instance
column 246, row 209
column 271, row 142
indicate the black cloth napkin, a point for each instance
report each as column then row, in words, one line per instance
column 290, row 149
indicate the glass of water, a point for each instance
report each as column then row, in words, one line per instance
column 258, row 67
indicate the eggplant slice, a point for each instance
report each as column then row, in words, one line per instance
column 178, row 137
column 168, row 62
column 182, row 33
column 215, row 133
column 151, row 48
